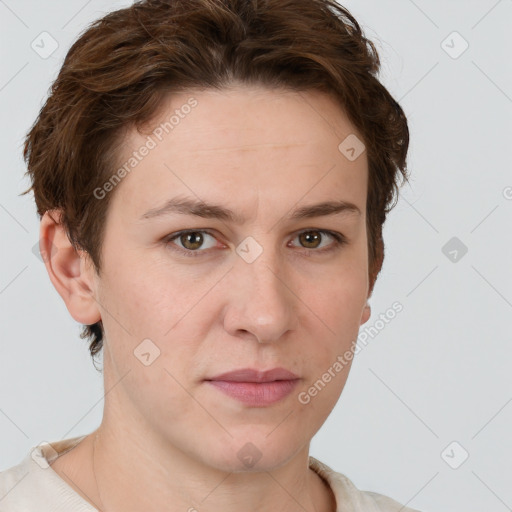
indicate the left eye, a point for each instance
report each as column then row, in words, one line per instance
column 311, row 237
column 192, row 240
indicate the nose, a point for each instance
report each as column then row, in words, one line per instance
column 262, row 303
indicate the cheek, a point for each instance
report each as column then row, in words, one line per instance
column 148, row 298
column 144, row 315
column 338, row 302
column 336, row 313
column 150, row 315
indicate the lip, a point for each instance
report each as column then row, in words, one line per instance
column 253, row 375
column 254, row 387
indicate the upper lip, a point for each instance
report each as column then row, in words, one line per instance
column 252, row 375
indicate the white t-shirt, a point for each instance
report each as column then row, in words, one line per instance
column 33, row 486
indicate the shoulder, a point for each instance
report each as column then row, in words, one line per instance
column 9, row 480
column 21, row 485
column 32, row 485
column 386, row 504
column 350, row 498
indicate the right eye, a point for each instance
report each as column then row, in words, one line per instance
column 191, row 241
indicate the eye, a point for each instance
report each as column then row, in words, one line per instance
column 193, row 240
column 311, row 239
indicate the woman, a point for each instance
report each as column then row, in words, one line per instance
column 212, row 178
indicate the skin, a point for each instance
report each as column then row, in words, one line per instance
column 164, row 430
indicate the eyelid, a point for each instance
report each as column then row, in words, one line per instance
column 173, row 236
column 339, row 241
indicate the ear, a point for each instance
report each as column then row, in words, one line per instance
column 367, row 311
column 377, row 264
column 71, row 272
column 374, row 272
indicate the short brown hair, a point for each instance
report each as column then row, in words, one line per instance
column 120, row 69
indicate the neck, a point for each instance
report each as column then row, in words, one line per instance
column 172, row 482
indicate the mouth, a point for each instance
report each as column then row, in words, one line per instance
column 254, row 387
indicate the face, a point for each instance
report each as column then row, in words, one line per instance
column 262, row 288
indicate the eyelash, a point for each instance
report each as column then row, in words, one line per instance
column 339, row 241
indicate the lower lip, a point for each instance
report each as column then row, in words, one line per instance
column 254, row 393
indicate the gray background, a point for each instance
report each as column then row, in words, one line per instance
column 439, row 372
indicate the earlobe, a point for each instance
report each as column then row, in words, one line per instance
column 367, row 311
column 69, row 270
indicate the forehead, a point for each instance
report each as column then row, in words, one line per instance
column 210, row 143
column 256, row 110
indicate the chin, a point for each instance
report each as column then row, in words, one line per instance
column 252, row 453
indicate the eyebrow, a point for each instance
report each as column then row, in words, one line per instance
column 197, row 208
